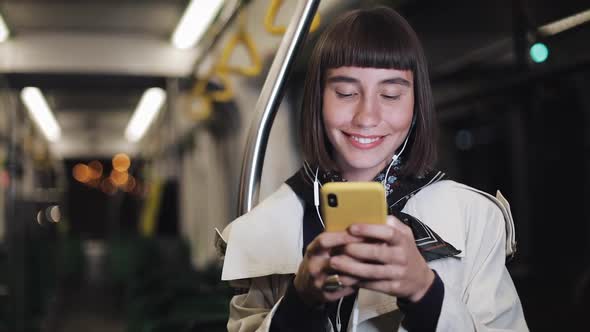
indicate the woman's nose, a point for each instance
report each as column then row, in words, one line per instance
column 367, row 114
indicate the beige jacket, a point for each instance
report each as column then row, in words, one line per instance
column 264, row 250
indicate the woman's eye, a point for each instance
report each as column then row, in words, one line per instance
column 344, row 95
column 391, row 97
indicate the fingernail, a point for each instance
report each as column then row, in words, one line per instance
column 353, row 228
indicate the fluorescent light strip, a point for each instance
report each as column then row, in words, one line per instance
column 194, row 22
column 149, row 105
column 565, row 23
column 40, row 112
column 4, row 33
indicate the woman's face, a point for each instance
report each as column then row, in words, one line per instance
column 367, row 115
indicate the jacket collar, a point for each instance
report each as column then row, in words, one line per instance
column 267, row 240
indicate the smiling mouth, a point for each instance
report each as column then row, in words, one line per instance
column 364, row 142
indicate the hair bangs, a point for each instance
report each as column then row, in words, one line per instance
column 361, row 41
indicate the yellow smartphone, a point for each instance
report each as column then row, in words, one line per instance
column 347, row 203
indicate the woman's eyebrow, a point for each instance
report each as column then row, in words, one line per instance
column 342, row 79
column 396, row 80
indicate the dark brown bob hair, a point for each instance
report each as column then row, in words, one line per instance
column 376, row 38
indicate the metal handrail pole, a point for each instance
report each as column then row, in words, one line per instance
column 268, row 103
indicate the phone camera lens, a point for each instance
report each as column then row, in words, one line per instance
column 332, row 200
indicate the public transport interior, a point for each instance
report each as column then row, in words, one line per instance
column 126, row 132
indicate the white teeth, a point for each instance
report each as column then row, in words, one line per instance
column 364, row 140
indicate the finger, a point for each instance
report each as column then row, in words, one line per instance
column 362, row 270
column 369, row 252
column 392, row 232
column 384, row 233
column 328, row 240
column 391, row 220
column 318, row 266
column 400, row 226
column 346, row 280
column 374, row 252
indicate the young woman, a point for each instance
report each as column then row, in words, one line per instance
column 438, row 264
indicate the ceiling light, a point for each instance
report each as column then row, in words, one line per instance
column 40, row 112
column 194, row 22
column 150, row 103
column 565, row 23
column 3, row 30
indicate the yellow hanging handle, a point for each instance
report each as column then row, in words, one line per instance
column 149, row 222
column 227, row 93
column 242, row 36
column 200, row 89
column 271, row 14
column 200, row 107
column 202, row 104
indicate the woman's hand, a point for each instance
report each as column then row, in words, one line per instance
column 388, row 261
column 314, row 269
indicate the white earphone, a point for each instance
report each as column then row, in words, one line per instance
column 394, row 159
column 316, row 196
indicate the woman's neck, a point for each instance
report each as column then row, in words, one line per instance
column 351, row 173
column 361, row 174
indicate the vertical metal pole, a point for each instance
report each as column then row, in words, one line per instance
column 269, row 101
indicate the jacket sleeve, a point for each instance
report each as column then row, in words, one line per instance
column 253, row 310
column 488, row 300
